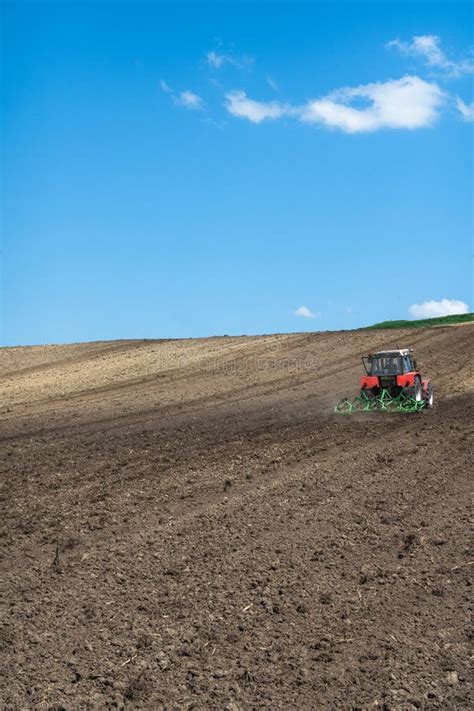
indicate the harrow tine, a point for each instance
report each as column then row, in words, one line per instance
column 362, row 403
column 344, row 407
column 384, row 399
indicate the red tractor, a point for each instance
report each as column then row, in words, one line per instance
column 395, row 372
column 391, row 382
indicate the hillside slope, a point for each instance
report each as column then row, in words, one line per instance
column 188, row 525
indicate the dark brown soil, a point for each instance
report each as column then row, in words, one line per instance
column 187, row 525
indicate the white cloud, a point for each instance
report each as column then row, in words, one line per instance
column 189, row 100
column 428, row 47
column 238, row 104
column 165, row 87
column 466, row 110
column 306, row 313
column 432, row 309
column 408, row 103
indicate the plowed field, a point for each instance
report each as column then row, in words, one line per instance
column 187, row 525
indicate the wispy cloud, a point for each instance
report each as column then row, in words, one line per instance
column 272, row 83
column 466, row 110
column 217, row 60
column 428, row 48
column 189, row 100
column 444, row 307
column 238, row 104
column 407, row 103
column 165, row 87
column 305, row 312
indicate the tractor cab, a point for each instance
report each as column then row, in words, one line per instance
column 386, row 363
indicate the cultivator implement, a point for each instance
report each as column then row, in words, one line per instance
column 383, row 402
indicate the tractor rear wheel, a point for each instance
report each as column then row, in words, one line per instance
column 429, row 398
column 415, row 391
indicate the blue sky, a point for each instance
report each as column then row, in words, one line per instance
column 175, row 170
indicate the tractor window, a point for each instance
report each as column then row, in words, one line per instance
column 389, row 365
column 407, row 364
